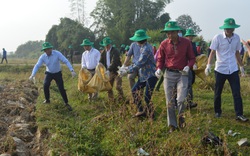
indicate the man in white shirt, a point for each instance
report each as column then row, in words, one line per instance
column 227, row 46
column 90, row 59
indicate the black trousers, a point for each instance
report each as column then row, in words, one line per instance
column 59, row 81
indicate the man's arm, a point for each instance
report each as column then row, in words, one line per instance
column 211, row 56
column 238, row 57
column 126, row 62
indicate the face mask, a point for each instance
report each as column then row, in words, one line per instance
column 179, row 34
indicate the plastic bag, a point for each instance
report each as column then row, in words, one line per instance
column 210, row 139
column 100, row 81
column 84, row 77
column 201, row 62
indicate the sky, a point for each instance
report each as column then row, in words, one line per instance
column 30, row 20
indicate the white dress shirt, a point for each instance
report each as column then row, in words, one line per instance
column 108, row 57
column 90, row 59
column 226, row 62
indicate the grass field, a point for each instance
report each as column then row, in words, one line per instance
column 105, row 129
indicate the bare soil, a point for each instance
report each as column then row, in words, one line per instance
column 18, row 129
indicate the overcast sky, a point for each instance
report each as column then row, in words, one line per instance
column 30, row 20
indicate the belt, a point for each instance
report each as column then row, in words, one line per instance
column 91, row 69
column 173, row 70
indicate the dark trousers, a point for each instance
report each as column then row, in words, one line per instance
column 4, row 58
column 234, row 82
column 150, row 85
column 59, row 81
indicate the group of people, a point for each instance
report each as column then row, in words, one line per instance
column 175, row 63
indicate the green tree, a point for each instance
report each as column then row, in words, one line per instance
column 68, row 32
column 31, row 49
column 185, row 21
column 119, row 19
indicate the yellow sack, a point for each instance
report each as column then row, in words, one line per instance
column 100, row 80
column 201, row 62
column 84, row 77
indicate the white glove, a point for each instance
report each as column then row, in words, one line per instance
column 208, row 69
column 195, row 67
column 158, row 73
column 107, row 73
column 73, row 74
column 185, row 70
column 242, row 71
column 123, row 71
column 31, row 78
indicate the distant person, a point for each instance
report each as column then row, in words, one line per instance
column 4, row 56
column 52, row 58
column 90, row 59
column 226, row 46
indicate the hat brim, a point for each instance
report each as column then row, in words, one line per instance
column 46, row 48
column 87, row 44
column 171, row 29
column 134, row 38
column 190, row 35
column 229, row 26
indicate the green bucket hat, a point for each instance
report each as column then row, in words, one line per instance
column 46, row 45
column 190, row 32
column 171, row 26
column 70, row 46
column 139, row 35
column 106, row 41
column 86, row 42
column 127, row 48
column 229, row 23
column 123, row 46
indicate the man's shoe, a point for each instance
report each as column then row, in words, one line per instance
column 140, row 114
column 46, row 102
column 182, row 123
column 172, row 129
column 191, row 105
column 217, row 115
column 69, row 107
column 241, row 118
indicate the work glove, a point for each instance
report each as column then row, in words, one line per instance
column 123, row 71
column 242, row 71
column 185, row 70
column 73, row 74
column 158, row 73
column 32, row 78
column 195, row 67
column 107, row 73
column 208, row 69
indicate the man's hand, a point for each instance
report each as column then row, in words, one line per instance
column 123, row 71
column 73, row 74
column 32, row 78
column 242, row 71
column 185, row 70
column 195, row 67
column 158, row 73
column 208, row 69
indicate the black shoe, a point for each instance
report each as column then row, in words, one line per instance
column 140, row 114
column 182, row 123
column 217, row 115
column 68, row 106
column 46, row 102
column 172, row 129
column 241, row 118
column 191, row 105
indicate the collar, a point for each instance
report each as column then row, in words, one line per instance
column 171, row 42
column 224, row 35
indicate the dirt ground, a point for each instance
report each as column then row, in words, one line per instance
column 18, row 129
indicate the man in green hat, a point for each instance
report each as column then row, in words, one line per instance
column 226, row 46
column 90, row 59
column 146, row 67
column 110, row 58
column 51, row 58
column 176, row 56
column 191, row 75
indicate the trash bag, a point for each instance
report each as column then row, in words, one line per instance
column 84, row 77
column 201, row 62
column 211, row 139
column 100, row 81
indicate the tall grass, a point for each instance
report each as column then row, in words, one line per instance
column 102, row 128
